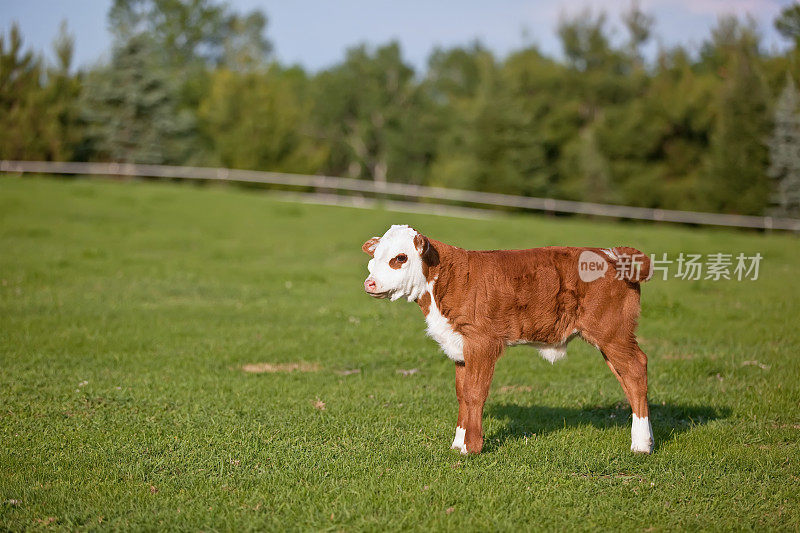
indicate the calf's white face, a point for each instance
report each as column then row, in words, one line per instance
column 395, row 270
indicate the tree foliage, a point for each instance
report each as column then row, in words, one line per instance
column 131, row 108
column 257, row 119
column 788, row 23
column 39, row 118
column 191, row 31
column 195, row 82
column 784, row 152
column 367, row 109
column 736, row 181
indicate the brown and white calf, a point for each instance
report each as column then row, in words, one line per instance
column 478, row 302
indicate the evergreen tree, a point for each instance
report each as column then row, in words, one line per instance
column 788, row 23
column 65, row 129
column 784, row 152
column 640, row 26
column 20, row 94
column 584, row 40
column 39, row 118
column 737, row 160
column 131, row 107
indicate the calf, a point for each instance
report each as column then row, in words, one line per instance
column 478, row 302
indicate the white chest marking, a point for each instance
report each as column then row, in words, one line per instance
column 441, row 331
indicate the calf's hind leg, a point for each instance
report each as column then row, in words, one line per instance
column 629, row 364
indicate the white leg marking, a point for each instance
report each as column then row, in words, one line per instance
column 641, row 435
column 458, row 442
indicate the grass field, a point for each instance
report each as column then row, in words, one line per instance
column 128, row 311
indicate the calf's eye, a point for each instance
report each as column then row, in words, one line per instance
column 397, row 261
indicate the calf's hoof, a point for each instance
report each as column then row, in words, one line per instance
column 474, row 446
column 642, row 447
column 462, row 448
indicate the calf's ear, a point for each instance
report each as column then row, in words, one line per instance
column 422, row 244
column 426, row 251
column 369, row 246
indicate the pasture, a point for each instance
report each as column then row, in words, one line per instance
column 130, row 311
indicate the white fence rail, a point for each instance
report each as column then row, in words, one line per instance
column 329, row 184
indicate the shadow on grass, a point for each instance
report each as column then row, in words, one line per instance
column 522, row 421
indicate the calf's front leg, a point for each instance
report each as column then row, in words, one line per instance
column 461, row 425
column 478, row 370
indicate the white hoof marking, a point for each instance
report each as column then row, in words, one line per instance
column 641, row 435
column 458, row 441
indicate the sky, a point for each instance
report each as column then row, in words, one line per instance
column 316, row 33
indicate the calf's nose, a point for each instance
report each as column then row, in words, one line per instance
column 369, row 285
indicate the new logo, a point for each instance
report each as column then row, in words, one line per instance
column 591, row 266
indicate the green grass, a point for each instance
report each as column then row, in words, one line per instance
column 128, row 309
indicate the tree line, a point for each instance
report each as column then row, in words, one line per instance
column 194, row 82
